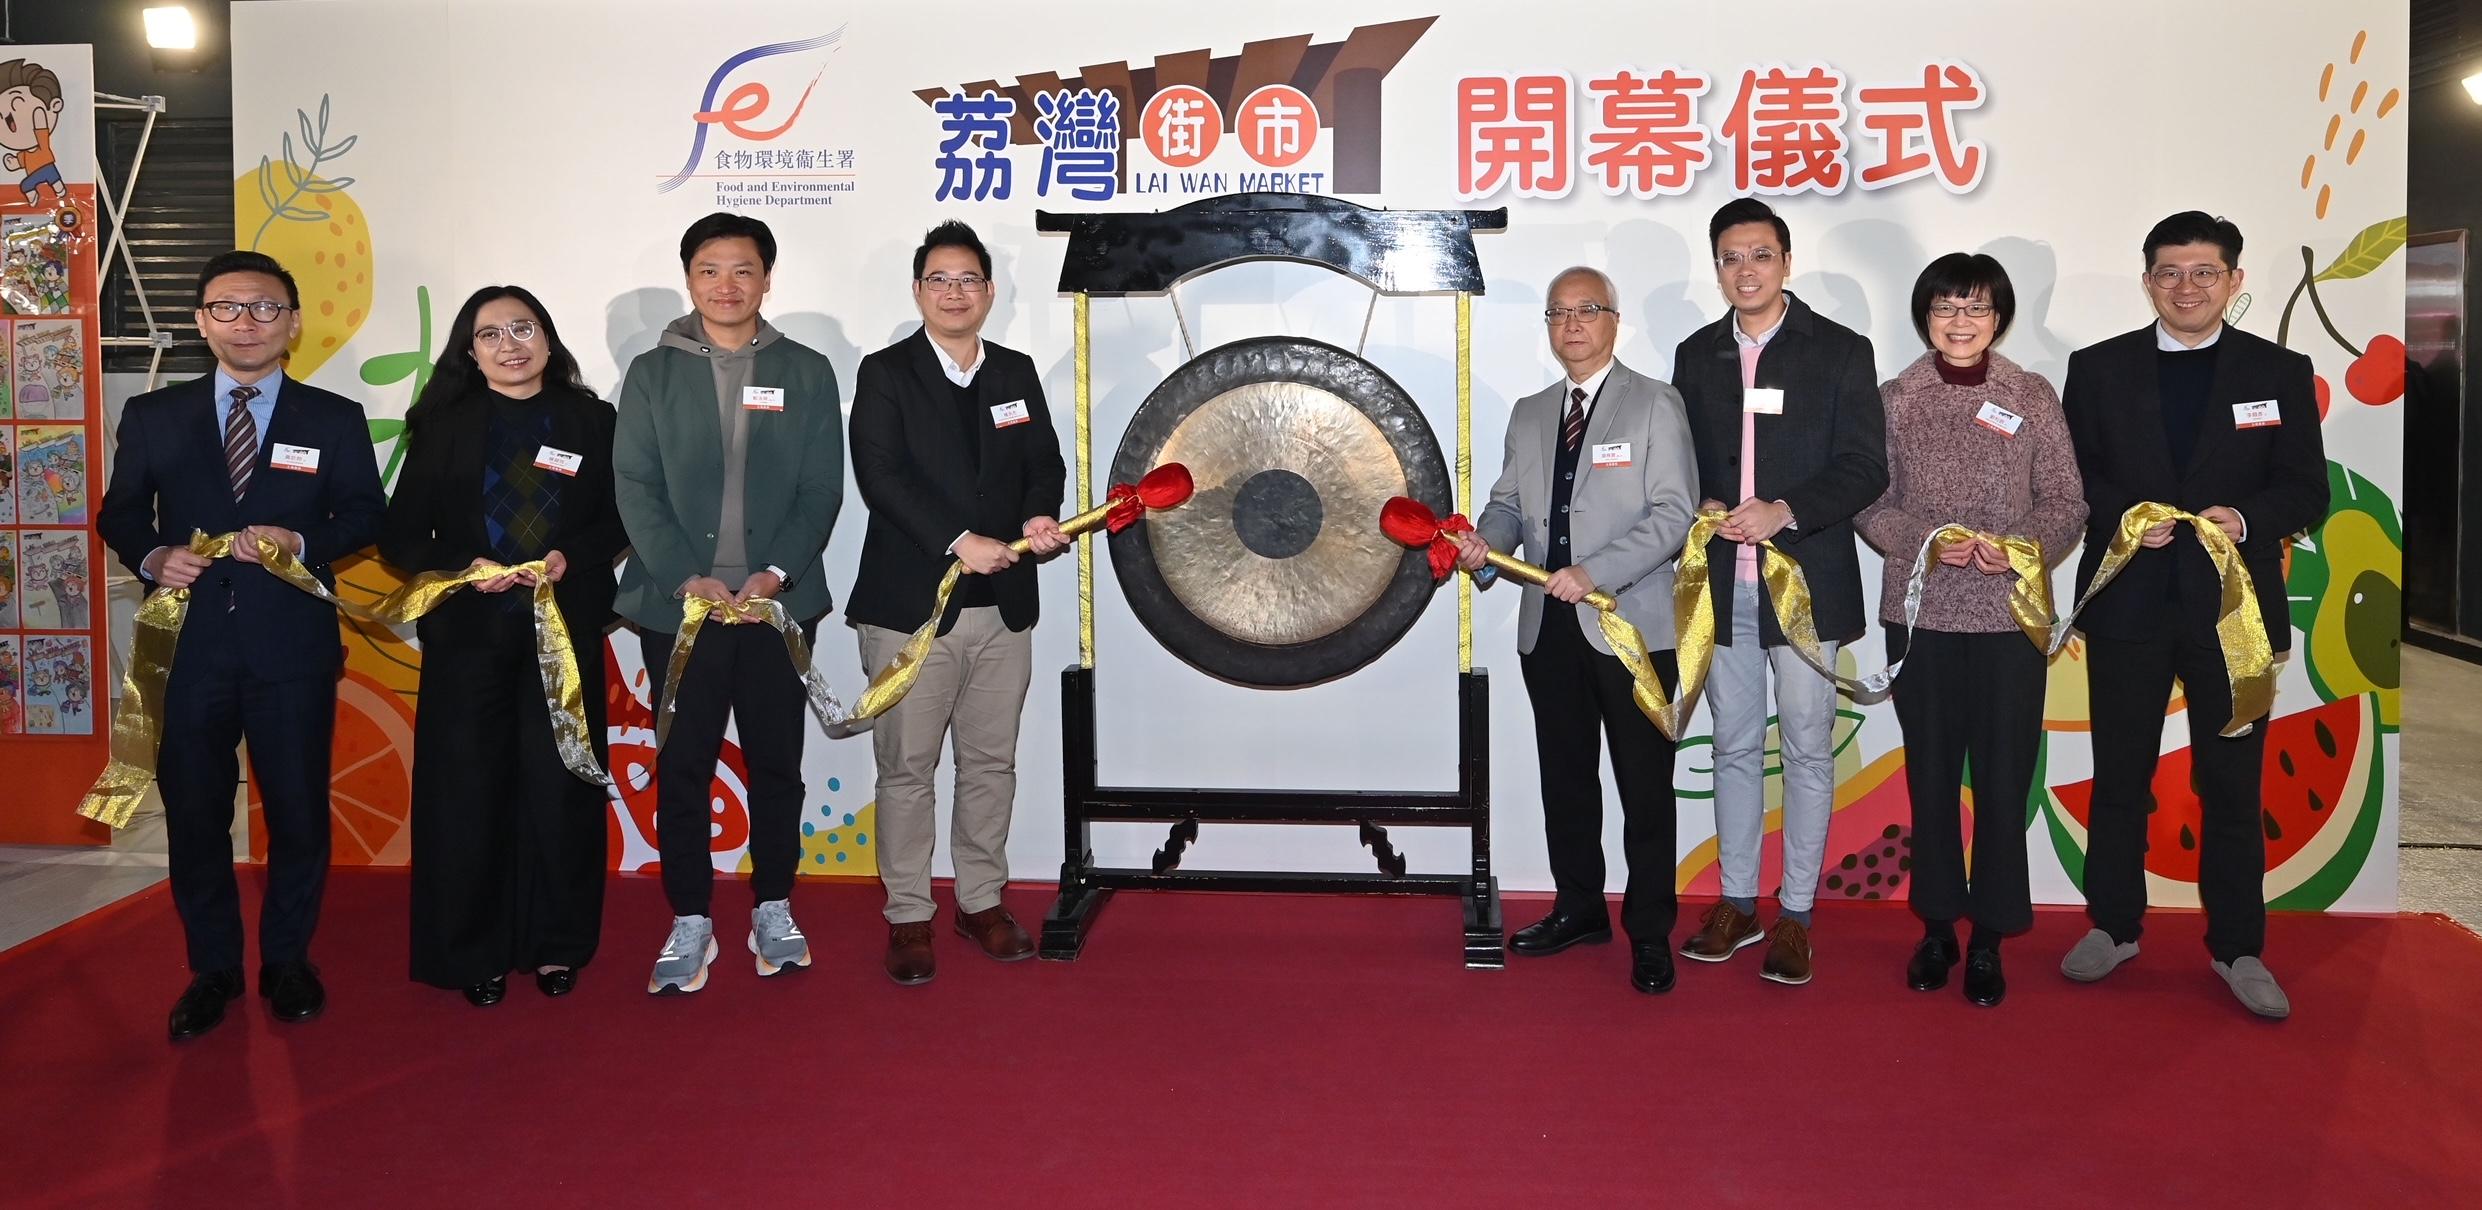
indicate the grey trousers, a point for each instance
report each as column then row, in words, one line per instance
column 971, row 694
column 1805, row 704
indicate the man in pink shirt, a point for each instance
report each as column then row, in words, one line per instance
column 1784, row 411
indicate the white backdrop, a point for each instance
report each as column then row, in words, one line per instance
column 526, row 143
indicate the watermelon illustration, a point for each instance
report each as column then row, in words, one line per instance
column 2345, row 589
column 2320, row 802
column 1869, row 841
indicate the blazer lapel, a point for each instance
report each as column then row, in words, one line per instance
column 2144, row 419
column 933, row 379
column 2215, row 421
column 1599, row 424
column 281, row 425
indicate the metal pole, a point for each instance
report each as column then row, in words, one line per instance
column 1085, row 486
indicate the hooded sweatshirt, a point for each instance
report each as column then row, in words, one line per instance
column 734, row 369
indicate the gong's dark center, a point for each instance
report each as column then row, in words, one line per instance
column 1277, row 514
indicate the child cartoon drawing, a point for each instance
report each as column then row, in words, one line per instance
column 30, row 107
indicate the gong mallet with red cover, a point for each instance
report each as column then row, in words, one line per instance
column 1411, row 523
column 1166, row 486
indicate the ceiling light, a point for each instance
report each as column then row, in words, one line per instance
column 171, row 28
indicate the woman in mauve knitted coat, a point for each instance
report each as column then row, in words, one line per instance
column 1976, row 440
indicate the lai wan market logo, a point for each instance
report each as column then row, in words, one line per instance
column 1285, row 115
column 751, row 160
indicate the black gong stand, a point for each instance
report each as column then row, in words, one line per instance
column 1392, row 251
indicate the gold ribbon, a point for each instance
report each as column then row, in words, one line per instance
column 764, row 611
column 137, row 722
column 890, row 684
column 1627, row 642
column 2248, row 657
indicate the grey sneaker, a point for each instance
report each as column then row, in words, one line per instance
column 2094, row 956
column 2255, row 985
column 682, row 967
column 776, row 939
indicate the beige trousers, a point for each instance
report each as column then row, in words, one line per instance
column 971, row 694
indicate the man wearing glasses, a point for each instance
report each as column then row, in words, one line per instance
column 956, row 457
column 729, row 468
column 1791, row 440
column 257, row 660
column 1595, row 483
column 2190, row 412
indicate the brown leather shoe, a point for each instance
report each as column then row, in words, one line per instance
column 1722, row 932
column 909, row 953
column 996, row 932
column 1788, row 953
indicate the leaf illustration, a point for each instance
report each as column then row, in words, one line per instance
column 384, row 430
column 2240, row 307
column 2370, row 249
column 391, row 367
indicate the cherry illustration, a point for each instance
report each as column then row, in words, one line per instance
column 2377, row 376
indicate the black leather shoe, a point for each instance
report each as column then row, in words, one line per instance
column 488, row 992
column 201, row 1006
column 556, row 983
column 292, row 990
column 1932, row 956
column 1984, row 984
column 1650, row 966
column 1558, row 931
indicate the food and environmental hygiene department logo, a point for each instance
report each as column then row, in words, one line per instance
column 1285, row 115
column 754, row 161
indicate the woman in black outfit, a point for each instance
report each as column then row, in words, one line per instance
column 508, row 461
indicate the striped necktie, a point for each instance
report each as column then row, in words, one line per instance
column 1575, row 430
column 241, row 440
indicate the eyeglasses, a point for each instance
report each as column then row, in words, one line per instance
column 266, row 311
column 1763, row 258
column 2201, row 276
column 1585, row 314
column 969, row 283
column 1970, row 310
column 521, row 332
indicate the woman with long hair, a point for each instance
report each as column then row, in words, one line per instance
column 508, row 461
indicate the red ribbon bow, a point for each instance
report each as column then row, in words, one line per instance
column 1127, row 507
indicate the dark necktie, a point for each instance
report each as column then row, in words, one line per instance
column 241, row 440
column 1575, row 430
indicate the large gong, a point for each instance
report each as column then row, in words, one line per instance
column 1276, row 573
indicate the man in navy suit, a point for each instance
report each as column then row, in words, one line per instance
column 245, row 450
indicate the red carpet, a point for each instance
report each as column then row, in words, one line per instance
column 1229, row 1050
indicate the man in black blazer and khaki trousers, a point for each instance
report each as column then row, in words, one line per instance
column 2191, row 412
column 956, row 457
column 245, row 449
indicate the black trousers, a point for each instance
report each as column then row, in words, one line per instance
column 509, row 846
column 2131, row 685
column 1580, row 695
column 1977, row 698
column 742, row 673
column 213, row 702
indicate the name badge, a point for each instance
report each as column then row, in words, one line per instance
column 1615, row 453
column 2259, row 415
column 763, row 399
column 1766, row 401
column 560, row 462
column 294, row 458
column 1998, row 419
column 1012, row 412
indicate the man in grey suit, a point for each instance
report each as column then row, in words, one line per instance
column 1596, row 483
